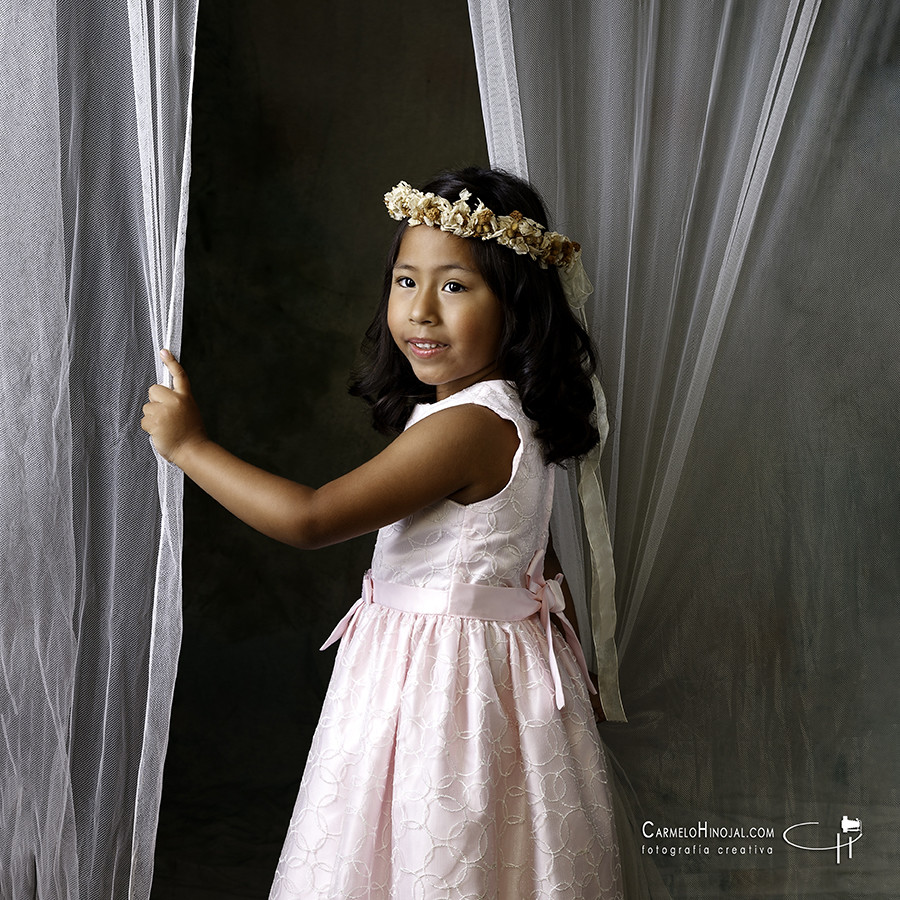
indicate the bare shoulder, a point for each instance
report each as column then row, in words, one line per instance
column 470, row 424
column 481, row 442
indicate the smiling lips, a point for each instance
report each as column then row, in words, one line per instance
column 425, row 349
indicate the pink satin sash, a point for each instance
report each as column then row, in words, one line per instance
column 480, row 601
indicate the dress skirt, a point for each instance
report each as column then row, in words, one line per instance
column 442, row 767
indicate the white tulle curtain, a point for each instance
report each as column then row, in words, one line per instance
column 94, row 136
column 731, row 170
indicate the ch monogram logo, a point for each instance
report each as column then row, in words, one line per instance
column 850, row 833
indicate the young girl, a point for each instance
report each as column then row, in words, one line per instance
column 456, row 755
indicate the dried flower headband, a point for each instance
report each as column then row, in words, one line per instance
column 515, row 231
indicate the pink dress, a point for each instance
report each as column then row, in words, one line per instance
column 443, row 765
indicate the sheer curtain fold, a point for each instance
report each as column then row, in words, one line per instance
column 37, row 649
column 730, row 171
column 498, row 84
column 722, row 268
column 94, row 131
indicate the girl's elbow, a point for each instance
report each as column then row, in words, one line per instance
column 310, row 532
column 309, row 542
column 318, row 522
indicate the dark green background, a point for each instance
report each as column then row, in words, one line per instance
column 304, row 115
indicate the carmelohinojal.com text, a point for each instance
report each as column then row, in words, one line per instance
column 706, row 840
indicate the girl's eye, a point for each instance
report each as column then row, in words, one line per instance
column 454, row 287
column 405, row 281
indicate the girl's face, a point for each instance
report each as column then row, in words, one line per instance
column 442, row 315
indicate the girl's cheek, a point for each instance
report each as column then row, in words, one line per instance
column 394, row 315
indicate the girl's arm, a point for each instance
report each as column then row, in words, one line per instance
column 464, row 453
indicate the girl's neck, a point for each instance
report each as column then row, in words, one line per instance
column 491, row 373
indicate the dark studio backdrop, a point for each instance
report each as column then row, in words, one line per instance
column 304, row 115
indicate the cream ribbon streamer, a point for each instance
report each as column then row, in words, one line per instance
column 577, row 289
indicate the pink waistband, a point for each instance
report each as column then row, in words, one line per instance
column 479, row 601
column 472, row 601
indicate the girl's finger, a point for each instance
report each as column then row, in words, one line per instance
column 180, row 382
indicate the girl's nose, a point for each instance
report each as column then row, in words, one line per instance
column 422, row 311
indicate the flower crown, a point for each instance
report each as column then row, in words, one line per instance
column 515, row 231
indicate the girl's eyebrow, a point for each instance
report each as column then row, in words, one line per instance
column 409, row 267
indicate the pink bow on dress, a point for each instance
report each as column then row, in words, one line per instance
column 549, row 594
column 368, row 595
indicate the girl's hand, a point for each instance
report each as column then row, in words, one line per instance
column 171, row 416
column 599, row 715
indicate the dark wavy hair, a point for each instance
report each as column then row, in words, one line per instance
column 544, row 350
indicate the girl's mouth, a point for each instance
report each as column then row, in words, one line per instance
column 426, row 349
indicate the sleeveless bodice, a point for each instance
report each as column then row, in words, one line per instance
column 489, row 542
